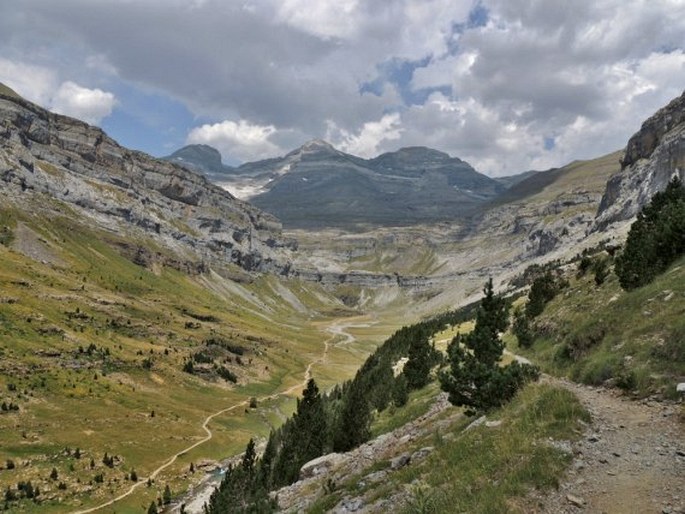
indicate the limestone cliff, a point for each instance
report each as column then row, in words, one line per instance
column 46, row 157
column 652, row 157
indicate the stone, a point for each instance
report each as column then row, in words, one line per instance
column 320, row 465
column 348, row 505
column 575, row 500
column 680, row 388
column 400, row 461
column 421, row 454
column 493, row 424
column 475, row 423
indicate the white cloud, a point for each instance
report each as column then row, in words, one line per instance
column 370, row 137
column 243, row 140
column 35, row 83
column 41, row 85
column 89, row 105
column 325, row 18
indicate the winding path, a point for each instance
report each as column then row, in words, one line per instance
column 336, row 329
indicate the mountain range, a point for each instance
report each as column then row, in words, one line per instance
column 319, row 186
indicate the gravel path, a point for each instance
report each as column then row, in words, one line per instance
column 631, row 458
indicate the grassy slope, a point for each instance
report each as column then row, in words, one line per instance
column 482, row 470
column 632, row 339
column 92, row 295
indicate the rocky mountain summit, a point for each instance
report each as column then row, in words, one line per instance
column 319, row 186
column 652, row 157
column 202, row 159
column 46, row 157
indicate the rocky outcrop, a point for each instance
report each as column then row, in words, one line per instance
column 45, row 156
column 652, row 157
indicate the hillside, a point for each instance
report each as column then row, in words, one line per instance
column 48, row 161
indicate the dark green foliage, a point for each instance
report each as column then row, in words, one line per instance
column 10, row 464
column 543, row 290
column 152, row 509
column 188, row 366
column 522, row 330
column 133, row 477
column 53, row 474
column 355, row 419
column 418, row 367
column 226, row 374
column 400, row 391
column 600, row 267
column 475, row 379
column 584, row 265
column 10, row 495
column 202, row 358
column 166, row 496
column 227, row 345
column 656, row 239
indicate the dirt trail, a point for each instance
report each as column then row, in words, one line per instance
column 631, row 458
column 336, row 329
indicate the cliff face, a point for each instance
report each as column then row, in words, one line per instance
column 652, row 157
column 45, row 156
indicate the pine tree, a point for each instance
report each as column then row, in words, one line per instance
column 418, row 366
column 355, row 419
column 399, row 392
column 249, row 457
column 475, row 379
column 521, row 329
column 656, row 238
column 166, row 496
column 152, row 509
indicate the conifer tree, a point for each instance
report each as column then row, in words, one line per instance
column 418, row 366
column 355, row 419
column 475, row 379
column 656, row 238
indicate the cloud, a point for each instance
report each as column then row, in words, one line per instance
column 41, row 85
column 492, row 81
column 240, row 140
column 89, row 105
column 35, row 83
column 369, row 138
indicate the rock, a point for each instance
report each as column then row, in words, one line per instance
column 475, row 423
column 320, row 465
column 348, row 505
column 653, row 155
column 376, row 477
column 579, row 465
column 593, row 438
column 493, row 424
column 575, row 500
column 421, row 454
column 680, row 388
column 121, row 190
column 400, row 461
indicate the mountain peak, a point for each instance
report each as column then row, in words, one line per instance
column 316, row 145
column 205, row 157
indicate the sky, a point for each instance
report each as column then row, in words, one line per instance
column 507, row 85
